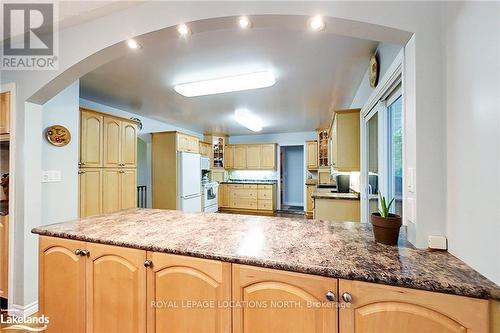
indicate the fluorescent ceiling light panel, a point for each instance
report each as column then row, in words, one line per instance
column 248, row 120
column 226, row 84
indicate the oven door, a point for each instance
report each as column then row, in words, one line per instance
column 211, row 195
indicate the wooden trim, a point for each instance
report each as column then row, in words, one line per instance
column 109, row 115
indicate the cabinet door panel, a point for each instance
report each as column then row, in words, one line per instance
column 62, row 284
column 312, row 155
column 112, row 135
column 240, row 157
column 253, row 157
column 128, row 189
column 273, row 289
column 5, row 112
column 111, row 200
column 128, row 144
column 90, row 192
column 229, row 157
column 268, row 157
column 91, row 139
column 116, row 289
column 180, row 280
column 379, row 308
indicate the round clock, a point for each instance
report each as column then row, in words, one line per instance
column 58, row 135
column 373, row 70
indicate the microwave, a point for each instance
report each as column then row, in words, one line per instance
column 205, row 163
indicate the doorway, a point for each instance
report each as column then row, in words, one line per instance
column 292, row 178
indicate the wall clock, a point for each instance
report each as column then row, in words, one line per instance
column 58, row 135
column 373, row 70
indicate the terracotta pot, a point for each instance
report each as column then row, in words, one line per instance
column 386, row 229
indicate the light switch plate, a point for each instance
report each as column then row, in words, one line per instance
column 438, row 243
column 410, row 180
column 51, row 176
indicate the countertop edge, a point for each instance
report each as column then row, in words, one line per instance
column 477, row 293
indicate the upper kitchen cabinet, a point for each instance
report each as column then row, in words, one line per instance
column 268, row 156
column 91, row 139
column 188, row 143
column 312, row 154
column 112, row 142
column 5, row 113
column 229, row 158
column 323, row 151
column 253, row 157
column 345, row 140
column 217, row 143
column 240, row 157
column 128, row 144
column 204, row 149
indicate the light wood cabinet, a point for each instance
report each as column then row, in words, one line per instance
column 288, row 297
column 5, row 113
column 312, row 154
column 323, row 149
column 248, row 197
column 253, row 157
column 112, row 142
column 128, row 142
column 204, row 149
column 337, row 210
column 119, row 189
column 91, row 139
column 115, row 289
column 183, row 281
column 62, row 284
column 229, row 158
column 240, row 157
column 90, row 182
column 379, row 308
column 224, row 196
column 128, row 188
column 309, row 200
column 268, row 156
column 188, row 143
column 4, row 256
column 345, row 140
column 324, row 176
column 217, row 150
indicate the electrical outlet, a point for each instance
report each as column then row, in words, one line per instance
column 438, row 243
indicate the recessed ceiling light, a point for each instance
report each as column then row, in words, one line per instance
column 244, row 22
column 226, row 84
column 183, row 30
column 132, row 43
column 247, row 119
column 316, row 23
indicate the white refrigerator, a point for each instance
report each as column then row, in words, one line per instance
column 189, row 182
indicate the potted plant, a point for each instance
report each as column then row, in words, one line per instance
column 385, row 224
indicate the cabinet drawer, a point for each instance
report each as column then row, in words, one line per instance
column 236, row 186
column 265, row 187
column 244, row 204
column 265, row 194
column 243, row 193
column 250, row 186
column 265, row 205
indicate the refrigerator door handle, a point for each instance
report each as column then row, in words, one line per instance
column 191, row 196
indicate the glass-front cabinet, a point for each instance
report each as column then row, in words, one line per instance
column 323, row 155
column 217, row 143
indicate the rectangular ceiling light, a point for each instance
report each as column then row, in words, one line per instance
column 227, row 84
column 248, row 120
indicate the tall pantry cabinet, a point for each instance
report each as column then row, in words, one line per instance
column 108, row 163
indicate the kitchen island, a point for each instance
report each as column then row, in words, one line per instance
column 139, row 264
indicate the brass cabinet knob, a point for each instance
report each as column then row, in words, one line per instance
column 81, row 172
column 148, row 263
column 347, row 297
column 330, row 295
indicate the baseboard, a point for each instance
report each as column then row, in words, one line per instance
column 23, row 311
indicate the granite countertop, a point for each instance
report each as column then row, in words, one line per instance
column 335, row 249
column 325, row 193
column 249, row 181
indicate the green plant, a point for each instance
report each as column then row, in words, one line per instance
column 384, row 208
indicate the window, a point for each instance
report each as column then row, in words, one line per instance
column 396, row 154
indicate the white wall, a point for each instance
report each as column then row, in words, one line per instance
column 293, row 168
column 386, row 54
column 472, row 73
column 282, row 139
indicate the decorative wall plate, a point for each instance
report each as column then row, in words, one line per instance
column 58, row 135
column 373, row 71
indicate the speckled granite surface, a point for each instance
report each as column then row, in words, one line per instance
column 336, row 249
column 321, row 193
column 249, row 181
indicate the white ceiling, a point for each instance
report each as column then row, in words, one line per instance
column 315, row 73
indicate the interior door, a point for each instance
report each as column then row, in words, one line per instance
column 62, row 280
column 112, row 142
column 128, row 144
column 181, row 279
column 116, row 289
column 91, row 139
column 111, row 201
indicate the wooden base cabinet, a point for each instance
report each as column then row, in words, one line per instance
column 380, row 308
column 279, row 301
column 188, row 294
